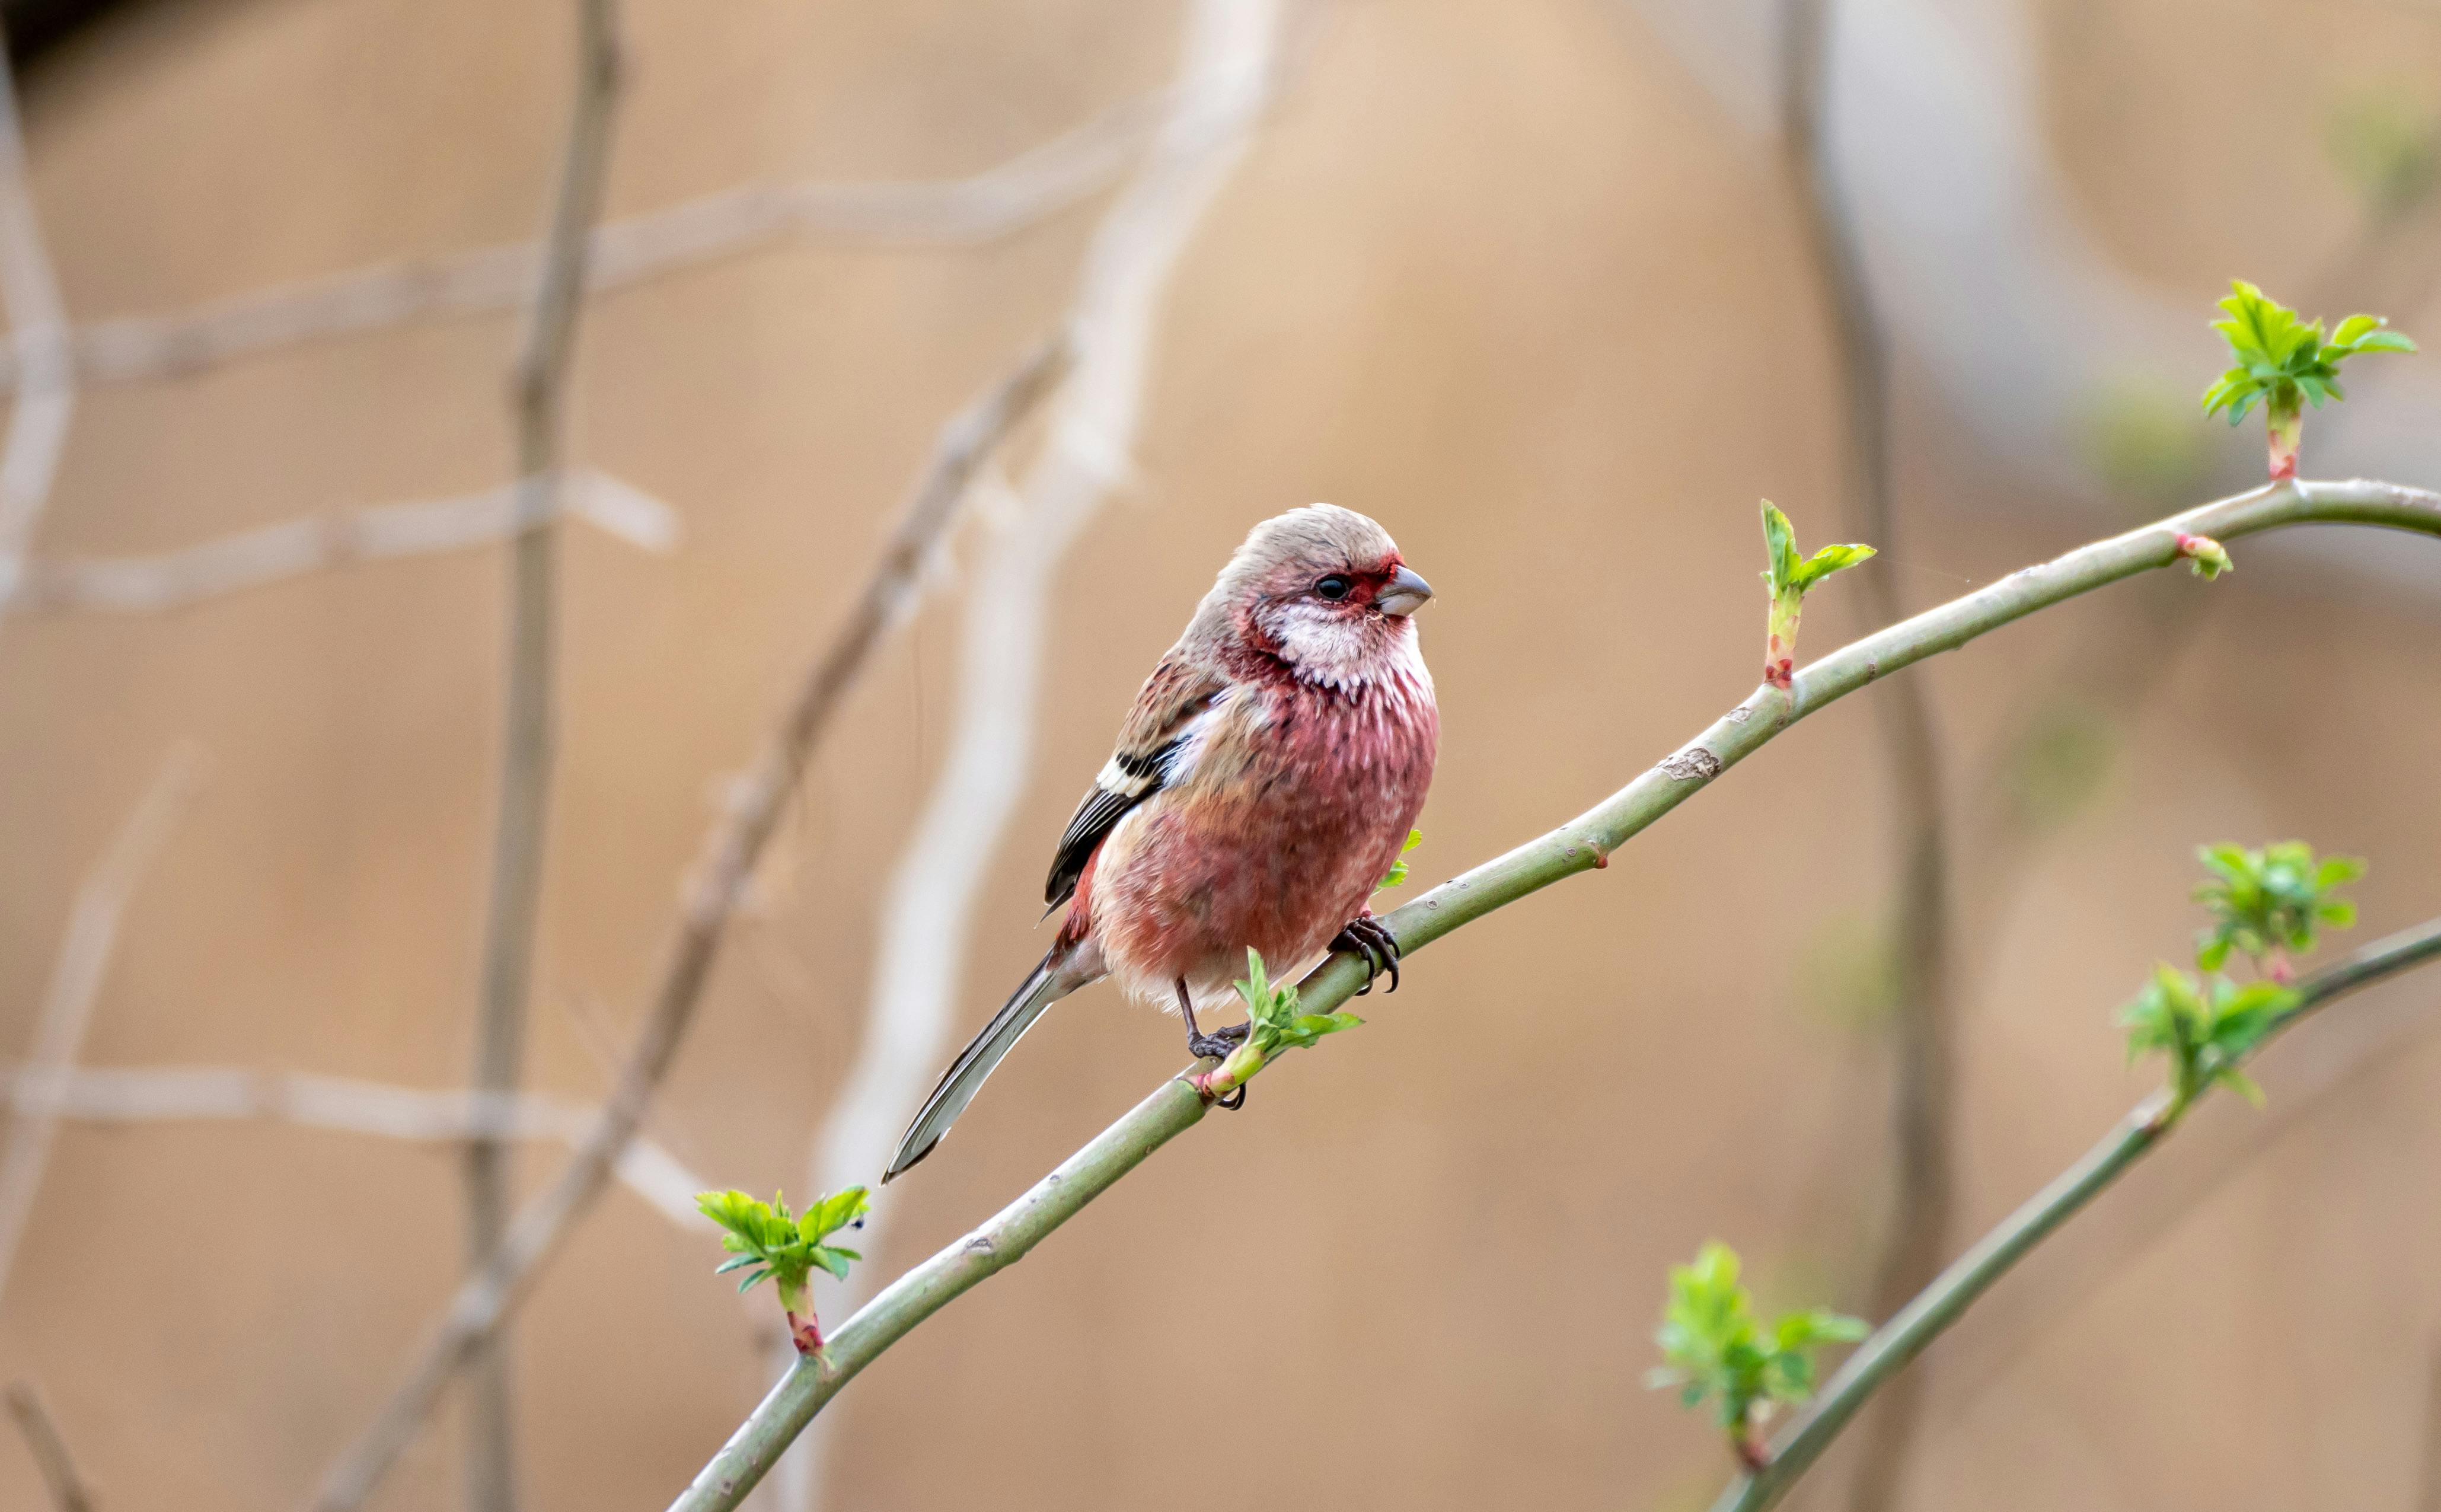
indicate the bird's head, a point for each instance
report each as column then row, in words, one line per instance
column 1321, row 589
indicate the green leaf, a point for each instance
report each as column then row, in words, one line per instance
column 2285, row 362
column 2338, row 870
column 1779, row 545
column 1714, row 1346
column 1398, row 872
column 2241, row 1083
column 782, row 1246
column 1301, row 1032
column 1823, row 563
column 2273, row 899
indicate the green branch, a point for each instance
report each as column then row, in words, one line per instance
column 1579, row 845
column 1917, row 1324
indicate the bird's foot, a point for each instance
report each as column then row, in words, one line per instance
column 1370, row 940
column 1217, row 1044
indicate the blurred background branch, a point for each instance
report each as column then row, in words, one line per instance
column 75, row 983
column 1040, row 181
column 169, row 1094
column 538, row 399
column 38, row 334
column 68, row 1486
column 1922, row 984
column 252, row 559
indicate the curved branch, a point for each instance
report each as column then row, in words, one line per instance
column 1581, row 845
column 1922, row 1321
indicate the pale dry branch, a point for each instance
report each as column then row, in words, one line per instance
column 75, row 983
column 718, row 881
column 38, row 339
column 275, row 553
column 538, row 405
column 165, row 1095
column 1226, row 63
column 70, row 1491
column 1036, row 184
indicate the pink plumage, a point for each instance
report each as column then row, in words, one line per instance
column 1263, row 783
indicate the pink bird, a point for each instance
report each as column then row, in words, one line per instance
column 1263, row 784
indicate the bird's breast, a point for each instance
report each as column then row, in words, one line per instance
column 1296, row 801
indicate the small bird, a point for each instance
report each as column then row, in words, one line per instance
column 1263, row 784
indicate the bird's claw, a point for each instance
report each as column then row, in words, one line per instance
column 1217, row 1044
column 1370, row 940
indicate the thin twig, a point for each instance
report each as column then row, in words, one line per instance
column 1225, row 64
column 75, row 983
column 1923, row 1093
column 70, row 1491
column 720, row 877
column 158, row 1095
column 538, row 401
column 1922, row 1321
column 38, row 336
column 2078, row 1274
column 1038, row 183
column 1583, row 845
column 274, row 553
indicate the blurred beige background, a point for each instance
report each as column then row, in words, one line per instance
column 1516, row 279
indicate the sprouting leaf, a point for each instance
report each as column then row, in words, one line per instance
column 1825, row 562
column 1398, row 872
column 1714, row 1347
column 2285, row 362
column 1787, row 574
column 1302, row 1030
column 2270, row 903
column 2207, row 1030
column 2205, row 556
column 784, row 1246
column 1779, row 545
column 1273, row 1021
column 1788, row 579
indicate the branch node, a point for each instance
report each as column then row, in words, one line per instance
column 1694, row 764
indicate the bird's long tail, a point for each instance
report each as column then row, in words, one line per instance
column 1055, row 979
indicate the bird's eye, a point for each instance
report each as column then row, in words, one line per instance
column 1334, row 588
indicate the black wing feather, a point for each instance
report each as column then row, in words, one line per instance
column 1098, row 814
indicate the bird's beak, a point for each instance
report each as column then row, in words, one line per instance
column 1404, row 594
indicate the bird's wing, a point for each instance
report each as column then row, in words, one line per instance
column 1173, row 699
